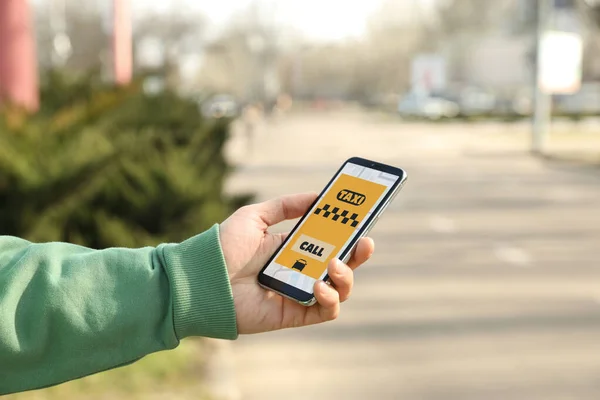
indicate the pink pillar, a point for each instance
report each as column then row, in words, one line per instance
column 122, row 46
column 18, row 61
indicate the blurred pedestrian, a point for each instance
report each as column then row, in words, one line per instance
column 284, row 102
column 251, row 117
column 67, row 311
column 281, row 107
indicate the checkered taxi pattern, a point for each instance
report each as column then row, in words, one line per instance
column 336, row 214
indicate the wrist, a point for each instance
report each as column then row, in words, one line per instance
column 200, row 287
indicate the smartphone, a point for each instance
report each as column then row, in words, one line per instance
column 345, row 211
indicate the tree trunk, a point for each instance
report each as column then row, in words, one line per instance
column 18, row 61
column 122, row 42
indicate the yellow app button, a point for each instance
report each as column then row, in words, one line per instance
column 313, row 248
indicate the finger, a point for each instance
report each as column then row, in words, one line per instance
column 329, row 301
column 342, row 278
column 363, row 251
column 285, row 207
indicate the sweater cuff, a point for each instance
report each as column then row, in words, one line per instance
column 201, row 291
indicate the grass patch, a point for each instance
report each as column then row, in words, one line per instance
column 168, row 374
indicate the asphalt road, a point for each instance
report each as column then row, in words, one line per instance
column 485, row 283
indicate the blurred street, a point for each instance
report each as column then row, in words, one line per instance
column 485, row 283
column 126, row 124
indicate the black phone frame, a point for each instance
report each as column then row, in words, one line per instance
column 301, row 295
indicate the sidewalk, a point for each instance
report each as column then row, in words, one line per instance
column 485, row 283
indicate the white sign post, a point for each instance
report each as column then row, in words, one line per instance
column 561, row 55
column 558, row 69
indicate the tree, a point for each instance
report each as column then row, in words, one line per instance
column 176, row 34
column 85, row 28
column 103, row 166
column 173, row 36
column 593, row 8
column 245, row 58
column 178, row 31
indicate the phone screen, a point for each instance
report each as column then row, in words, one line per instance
column 330, row 226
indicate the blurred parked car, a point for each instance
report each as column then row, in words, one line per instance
column 427, row 106
column 522, row 102
column 220, row 106
column 475, row 101
column 383, row 101
column 585, row 102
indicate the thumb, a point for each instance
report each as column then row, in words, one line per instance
column 292, row 206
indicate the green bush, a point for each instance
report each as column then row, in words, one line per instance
column 102, row 166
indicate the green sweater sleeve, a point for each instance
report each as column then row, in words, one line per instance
column 67, row 311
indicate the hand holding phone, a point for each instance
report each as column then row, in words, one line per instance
column 344, row 212
column 247, row 245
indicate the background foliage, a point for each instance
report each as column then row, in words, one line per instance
column 103, row 166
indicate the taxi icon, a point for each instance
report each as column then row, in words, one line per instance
column 299, row 264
